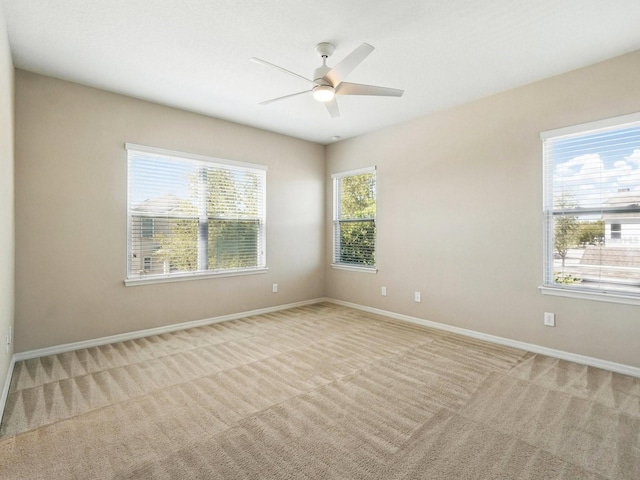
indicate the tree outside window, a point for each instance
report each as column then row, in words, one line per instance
column 354, row 218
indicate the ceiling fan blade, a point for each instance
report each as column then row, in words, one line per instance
column 346, row 88
column 284, row 70
column 332, row 106
column 267, row 102
column 348, row 63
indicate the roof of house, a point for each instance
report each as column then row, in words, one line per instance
column 160, row 206
column 624, row 199
column 621, row 200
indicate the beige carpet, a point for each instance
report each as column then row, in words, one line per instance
column 317, row 392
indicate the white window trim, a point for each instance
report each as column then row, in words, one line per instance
column 335, row 176
column 354, row 268
column 598, row 124
column 149, row 280
column 577, row 292
column 583, row 294
column 351, row 173
column 192, row 156
column 169, row 278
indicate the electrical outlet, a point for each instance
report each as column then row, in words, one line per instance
column 274, row 288
column 550, row 319
column 383, row 291
column 417, row 297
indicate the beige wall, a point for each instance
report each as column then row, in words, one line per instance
column 6, row 200
column 460, row 215
column 71, row 189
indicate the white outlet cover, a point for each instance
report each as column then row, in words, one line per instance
column 549, row 319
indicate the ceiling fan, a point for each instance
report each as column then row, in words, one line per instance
column 328, row 82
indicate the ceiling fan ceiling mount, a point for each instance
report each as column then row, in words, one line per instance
column 328, row 82
column 325, row 49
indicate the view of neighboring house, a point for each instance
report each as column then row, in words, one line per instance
column 151, row 219
column 615, row 263
column 623, row 228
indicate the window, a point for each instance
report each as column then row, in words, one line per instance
column 616, row 231
column 592, row 208
column 190, row 216
column 146, row 227
column 354, row 219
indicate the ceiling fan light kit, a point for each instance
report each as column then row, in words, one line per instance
column 328, row 82
column 324, row 93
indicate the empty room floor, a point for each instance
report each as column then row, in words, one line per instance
column 321, row 391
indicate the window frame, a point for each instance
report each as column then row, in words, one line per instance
column 549, row 287
column 132, row 280
column 336, row 177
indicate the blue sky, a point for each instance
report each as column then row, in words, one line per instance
column 591, row 168
column 175, row 178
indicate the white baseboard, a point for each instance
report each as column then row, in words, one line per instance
column 572, row 357
column 123, row 337
column 7, row 384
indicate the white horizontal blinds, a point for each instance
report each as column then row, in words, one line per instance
column 188, row 215
column 592, row 208
column 163, row 215
column 354, row 218
column 234, row 211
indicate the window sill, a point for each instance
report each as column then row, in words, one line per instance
column 132, row 282
column 586, row 295
column 354, row 268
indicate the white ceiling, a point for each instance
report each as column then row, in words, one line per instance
column 193, row 54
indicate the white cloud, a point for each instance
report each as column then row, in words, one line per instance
column 587, row 179
column 630, row 178
column 634, row 157
column 568, row 167
column 583, row 169
column 621, row 164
